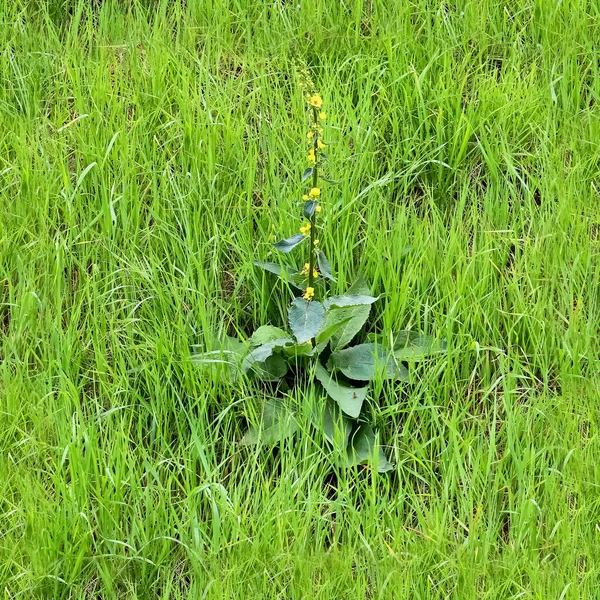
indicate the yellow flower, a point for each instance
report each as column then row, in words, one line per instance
column 309, row 294
column 314, row 192
column 304, row 197
column 316, row 101
column 322, row 116
column 316, row 242
column 305, row 269
column 318, row 208
column 315, row 273
column 311, row 156
column 320, row 144
column 309, row 135
column 305, row 230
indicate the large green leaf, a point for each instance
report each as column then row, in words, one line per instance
column 277, row 423
column 324, row 266
column 289, row 243
column 262, row 362
column 307, row 173
column 349, row 399
column 265, row 334
column 367, row 361
column 364, row 448
column 223, row 363
column 306, row 319
column 348, row 300
column 353, row 317
column 331, row 327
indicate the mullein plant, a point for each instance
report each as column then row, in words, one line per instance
column 321, row 329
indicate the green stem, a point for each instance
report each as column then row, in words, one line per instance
column 315, row 180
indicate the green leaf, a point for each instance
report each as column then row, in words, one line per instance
column 308, row 173
column 266, row 334
column 288, row 274
column 294, row 349
column 309, row 208
column 324, row 266
column 349, row 399
column 345, row 323
column 336, row 426
column 367, row 361
column 348, row 300
column 277, row 423
column 306, row 319
column 289, row 243
column 364, row 448
column 331, row 326
column 223, row 363
column 257, row 360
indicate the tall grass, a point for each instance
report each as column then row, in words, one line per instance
column 149, row 151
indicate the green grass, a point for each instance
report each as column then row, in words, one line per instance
column 149, row 153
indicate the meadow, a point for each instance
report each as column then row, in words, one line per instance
column 150, row 151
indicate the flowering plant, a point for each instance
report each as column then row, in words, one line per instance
column 322, row 327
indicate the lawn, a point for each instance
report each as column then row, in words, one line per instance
column 150, row 151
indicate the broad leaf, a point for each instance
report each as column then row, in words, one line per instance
column 256, row 359
column 307, row 174
column 329, row 330
column 272, row 369
column 348, row 300
column 349, row 399
column 309, row 208
column 277, row 424
column 324, row 266
column 223, row 363
column 266, row 334
column 353, row 317
column 294, row 349
column 364, row 448
column 367, row 361
column 290, row 243
column 306, row 319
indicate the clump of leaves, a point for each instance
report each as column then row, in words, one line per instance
column 320, row 330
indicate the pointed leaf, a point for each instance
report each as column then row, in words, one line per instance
column 324, row 266
column 332, row 326
column 265, row 334
column 259, row 355
column 349, row 399
column 364, row 448
column 367, row 361
column 309, row 208
column 306, row 319
column 288, row 274
column 289, row 243
column 277, row 424
column 308, row 173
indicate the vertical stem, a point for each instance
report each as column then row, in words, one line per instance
column 315, row 180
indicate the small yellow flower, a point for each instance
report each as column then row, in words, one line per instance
column 316, row 242
column 315, row 273
column 318, row 208
column 304, row 197
column 309, row 343
column 314, row 192
column 309, row 135
column 305, row 269
column 316, row 101
column 320, row 144
column 309, row 294
column 311, row 156
column 322, row 116
column 305, row 230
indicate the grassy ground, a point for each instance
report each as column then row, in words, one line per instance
column 147, row 155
